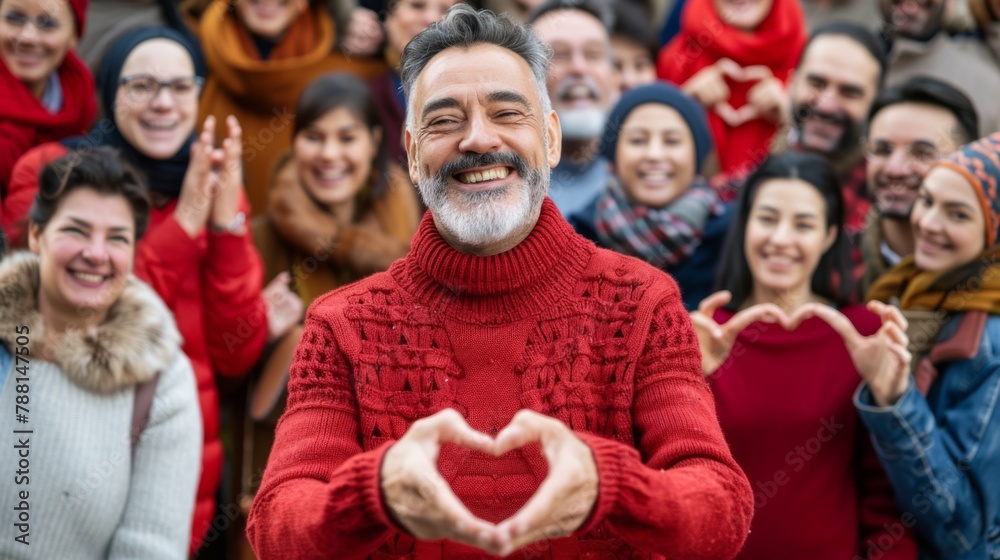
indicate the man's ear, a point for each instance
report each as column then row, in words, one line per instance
column 554, row 129
column 34, row 233
column 411, row 155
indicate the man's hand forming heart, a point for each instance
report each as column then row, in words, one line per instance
column 423, row 503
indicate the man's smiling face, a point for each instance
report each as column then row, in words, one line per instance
column 480, row 144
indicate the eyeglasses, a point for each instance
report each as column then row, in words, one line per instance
column 920, row 153
column 141, row 89
column 45, row 24
column 919, row 3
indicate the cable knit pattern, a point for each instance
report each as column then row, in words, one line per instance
column 593, row 338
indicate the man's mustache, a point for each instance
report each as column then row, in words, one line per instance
column 489, row 159
column 810, row 112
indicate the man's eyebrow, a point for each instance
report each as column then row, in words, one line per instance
column 508, row 96
column 438, row 104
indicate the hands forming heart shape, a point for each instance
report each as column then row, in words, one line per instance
column 766, row 98
column 881, row 359
column 423, row 503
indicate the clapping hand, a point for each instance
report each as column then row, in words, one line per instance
column 194, row 204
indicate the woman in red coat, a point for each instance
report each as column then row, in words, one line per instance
column 46, row 92
column 198, row 253
column 735, row 58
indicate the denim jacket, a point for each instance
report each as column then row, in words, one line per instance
column 942, row 450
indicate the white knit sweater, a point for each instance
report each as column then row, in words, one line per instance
column 90, row 496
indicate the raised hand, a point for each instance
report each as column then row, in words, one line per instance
column 364, row 33
column 194, row 204
column 566, row 496
column 882, row 358
column 768, row 96
column 717, row 340
column 227, row 172
column 416, row 494
column 708, row 85
column 284, row 308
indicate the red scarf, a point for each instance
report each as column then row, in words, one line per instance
column 26, row 123
column 704, row 38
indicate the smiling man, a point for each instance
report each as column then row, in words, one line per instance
column 583, row 87
column 506, row 388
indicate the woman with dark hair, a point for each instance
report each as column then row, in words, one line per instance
column 90, row 357
column 260, row 57
column 338, row 209
column 658, row 207
column 199, row 255
column 783, row 380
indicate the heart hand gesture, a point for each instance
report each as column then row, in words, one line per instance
column 423, row 503
column 566, row 496
column 882, row 358
column 418, row 496
column 717, row 340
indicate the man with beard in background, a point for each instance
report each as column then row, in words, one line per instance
column 832, row 89
column 583, row 89
column 919, row 46
column 909, row 128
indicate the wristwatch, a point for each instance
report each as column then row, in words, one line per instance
column 237, row 227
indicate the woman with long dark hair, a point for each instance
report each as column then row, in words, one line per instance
column 782, row 379
column 338, row 209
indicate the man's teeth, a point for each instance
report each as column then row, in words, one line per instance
column 579, row 92
column 655, row 176
column 480, row 176
column 89, row 278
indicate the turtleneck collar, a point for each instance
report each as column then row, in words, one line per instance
column 536, row 273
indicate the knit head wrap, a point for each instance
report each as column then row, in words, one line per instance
column 979, row 163
column 79, row 9
column 664, row 94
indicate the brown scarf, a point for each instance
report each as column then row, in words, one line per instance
column 927, row 300
column 972, row 287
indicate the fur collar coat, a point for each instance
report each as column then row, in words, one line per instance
column 137, row 339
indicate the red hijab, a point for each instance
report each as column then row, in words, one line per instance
column 704, row 38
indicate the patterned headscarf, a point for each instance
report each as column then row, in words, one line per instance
column 979, row 163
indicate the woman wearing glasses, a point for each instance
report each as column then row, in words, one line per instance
column 46, row 92
column 198, row 253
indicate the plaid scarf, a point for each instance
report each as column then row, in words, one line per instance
column 660, row 236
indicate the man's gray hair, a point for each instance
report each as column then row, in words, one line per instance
column 464, row 27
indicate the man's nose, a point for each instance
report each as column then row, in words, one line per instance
column 899, row 164
column 480, row 136
column 826, row 102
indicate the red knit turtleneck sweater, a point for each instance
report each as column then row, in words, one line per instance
column 595, row 339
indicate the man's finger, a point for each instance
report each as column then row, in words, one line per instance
column 895, row 333
column 756, row 72
column 526, row 427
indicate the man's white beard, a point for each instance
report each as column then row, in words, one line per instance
column 581, row 124
column 484, row 217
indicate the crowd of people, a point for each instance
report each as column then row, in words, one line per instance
column 528, row 278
